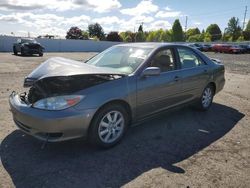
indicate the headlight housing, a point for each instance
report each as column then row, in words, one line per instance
column 58, row 102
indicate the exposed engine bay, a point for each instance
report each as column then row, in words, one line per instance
column 62, row 85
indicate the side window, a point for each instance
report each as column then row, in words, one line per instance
column 164, row 59
column 18, row 40
column 189, row 59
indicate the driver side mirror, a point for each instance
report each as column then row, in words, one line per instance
column 151, row 71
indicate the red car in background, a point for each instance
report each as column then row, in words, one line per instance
column 226, row 48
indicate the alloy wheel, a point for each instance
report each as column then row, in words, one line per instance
column 207, row 97
column 111, row 126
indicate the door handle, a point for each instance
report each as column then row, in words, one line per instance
column 176, row 78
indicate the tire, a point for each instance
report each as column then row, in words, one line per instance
column 14, row 50
column 206, row 98
column 22, row 52
column 40, row 52
column 108, row 126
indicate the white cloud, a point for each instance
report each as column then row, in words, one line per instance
column 144, row 7
column 9, row 18
column 167, row 14
column 22, row 5
column 160, row 24
column 46, row 23
column 197, row 23
column 79, row 21
column 104, row 5
column 60, row 5
column 167, row 8
column 141, row 18
column 108, row 20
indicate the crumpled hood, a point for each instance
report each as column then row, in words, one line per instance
column 59, row 66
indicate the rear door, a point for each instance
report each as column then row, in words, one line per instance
column 194, row 71
column 155, row 93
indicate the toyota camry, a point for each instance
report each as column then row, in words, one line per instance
column 121, row 86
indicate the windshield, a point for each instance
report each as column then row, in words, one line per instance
column 123, row 59
column 28, row 41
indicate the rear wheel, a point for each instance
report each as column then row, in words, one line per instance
column 108, row 126
column 206, row 98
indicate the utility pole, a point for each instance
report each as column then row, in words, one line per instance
column 244, row 18
column 186, row 23
column 185, row 34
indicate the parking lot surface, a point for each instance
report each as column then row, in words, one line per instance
column 180, row 148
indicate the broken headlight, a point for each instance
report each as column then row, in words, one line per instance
column 58, row 102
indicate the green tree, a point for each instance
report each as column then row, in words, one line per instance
column 95, row 30
column 74, row 33
column 140, row 37
column 246, row 35
column 248, row 26
column 114, row 36
column 177, row 34
column 214, row 31
column 165, row 36
column 207, row 37
column 192, row 31
column 154, row 36
column 195, row 38
column 128, row 36
column 140, row 29
column 85, row 35
column 233, row 28
column 240, row 39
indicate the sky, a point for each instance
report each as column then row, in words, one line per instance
column 40, row 17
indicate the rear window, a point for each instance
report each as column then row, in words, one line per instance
column 189, row 59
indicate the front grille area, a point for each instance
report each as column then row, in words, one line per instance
column 33, row 46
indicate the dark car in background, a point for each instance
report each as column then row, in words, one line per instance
column 27, row 46
column 123, row 85
column 245, row 48
column 196, row 46
column 206, row 47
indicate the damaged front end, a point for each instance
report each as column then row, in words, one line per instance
column 44, row 110
column 64, row 85
column 60, row 76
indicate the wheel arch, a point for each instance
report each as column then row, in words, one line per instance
column 121, row 102
column 213, row 85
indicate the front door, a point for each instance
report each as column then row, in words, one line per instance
column 155, row 93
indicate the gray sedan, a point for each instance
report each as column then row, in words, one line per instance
column 121, row 86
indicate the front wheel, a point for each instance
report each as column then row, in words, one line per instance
column 206, row 98
column 108, row 126
column 14, row 50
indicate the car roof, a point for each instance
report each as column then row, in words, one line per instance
column 150, row 44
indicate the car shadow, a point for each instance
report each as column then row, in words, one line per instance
column 26, row 55
column 160, row 142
